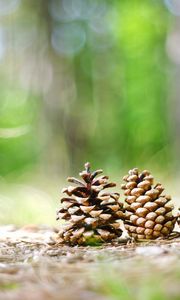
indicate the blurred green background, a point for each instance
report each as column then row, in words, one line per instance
column 85, row 80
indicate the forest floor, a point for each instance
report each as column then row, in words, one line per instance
column 33, row 267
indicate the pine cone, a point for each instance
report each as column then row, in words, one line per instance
column 178, row 217
column 91, row 212
column 148, row 212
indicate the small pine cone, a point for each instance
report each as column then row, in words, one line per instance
column 148, row 212
column 92, row 213
column 178, row 217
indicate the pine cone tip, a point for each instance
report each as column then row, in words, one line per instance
column 87, row 167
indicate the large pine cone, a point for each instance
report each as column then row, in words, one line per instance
column 148, row 212
column 92, row 213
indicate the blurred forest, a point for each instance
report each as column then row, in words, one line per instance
column 84, row 80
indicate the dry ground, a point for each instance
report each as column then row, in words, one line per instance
column 33, row 267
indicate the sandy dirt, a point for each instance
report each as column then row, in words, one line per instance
column 33, row 267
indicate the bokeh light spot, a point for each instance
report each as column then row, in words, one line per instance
column 68, row 39
column 58, row 13
column 173, row 6
column 8, row 6
column 2, row 43
column 84, row 9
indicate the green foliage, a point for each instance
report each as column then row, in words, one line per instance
column 93, row 241
column 17, row 129
column 142, row 34
column 144, row 288
column 8, row 286
column 132, row 124
column 102, row 75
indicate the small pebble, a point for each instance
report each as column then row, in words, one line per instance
column 150, row 250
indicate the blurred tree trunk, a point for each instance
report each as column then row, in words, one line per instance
column 62, row 106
